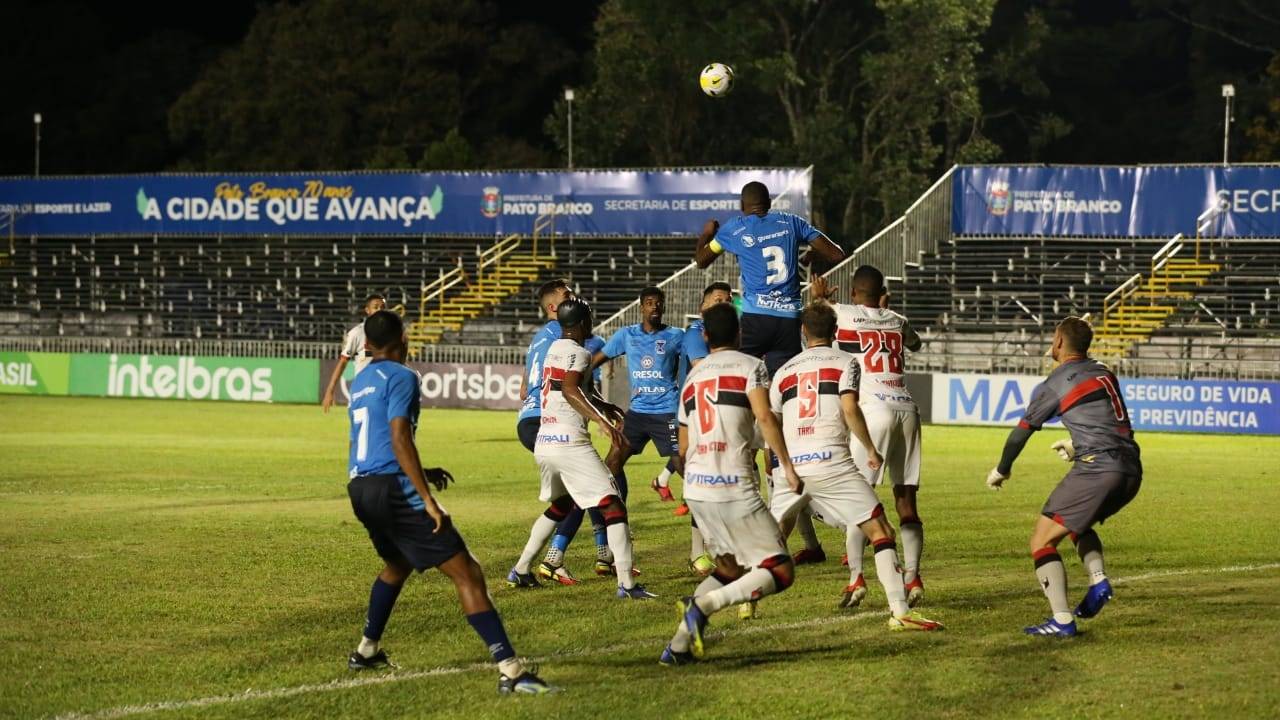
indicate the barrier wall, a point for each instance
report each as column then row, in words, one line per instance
column 1209, row 406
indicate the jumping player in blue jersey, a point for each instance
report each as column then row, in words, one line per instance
column 653, row 351
column 767, row 244
column 550, row 295
column 408, row 528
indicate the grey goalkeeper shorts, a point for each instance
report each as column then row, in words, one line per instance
column 1093, row 491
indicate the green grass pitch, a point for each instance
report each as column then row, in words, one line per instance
column 169, row 559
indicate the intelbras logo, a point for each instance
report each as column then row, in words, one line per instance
column 1000, row 201
column 182, row 378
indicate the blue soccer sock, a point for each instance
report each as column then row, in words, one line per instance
column 488, row 625
column 565, row 532
column 597, row 527
column 382, row 598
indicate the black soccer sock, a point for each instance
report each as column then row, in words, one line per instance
column 382, row 598
column 621, row 480
column 488, row 625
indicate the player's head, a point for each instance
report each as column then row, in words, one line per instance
column 574, row 315
column 551, row 293
column 720, row 326
column 384, row 335
column 374, row 303
column 716, row 293
column 755, row 198
column 1073, row 337
column 819, row 324
column 653, row 303
column 868, row 286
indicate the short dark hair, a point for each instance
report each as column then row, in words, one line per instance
column 721, row 286
column 573, row 312
column 868, row 280
column 549, row 287
column 1076, row 333
column 371, row 298
column 755, row 193
column 653, row 291
column 383, row 328
column 819, row 320
column 721, row 325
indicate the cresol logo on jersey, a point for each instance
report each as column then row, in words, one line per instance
column 1219, row 406
column 195, row 378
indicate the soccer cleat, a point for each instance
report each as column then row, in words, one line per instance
column 635, row 592
column 379, row 661
column 749, row 610
column 1093, row 601
column 671, row 658
column 854, row 593
column 703, row 565
column 1052, row 628
column 807, row 556
column 681, row 510
column 522, row 580
column 695, row 621
column 559, row 574
column 664, row 491
column 913, row 621
column 526, row 684
column 915, row 591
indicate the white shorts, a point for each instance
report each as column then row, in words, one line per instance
column 896, row 434
column 842, row 501
column 576, row 470
column 741, row 528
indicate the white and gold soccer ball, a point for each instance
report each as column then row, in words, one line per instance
column 716, row 80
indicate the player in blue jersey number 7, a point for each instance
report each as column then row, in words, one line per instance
column 408, row 528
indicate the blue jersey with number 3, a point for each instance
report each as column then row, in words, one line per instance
column 383, row 391
column 767, row 247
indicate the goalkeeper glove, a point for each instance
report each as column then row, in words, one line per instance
column 995, row 480
column 1065, row 450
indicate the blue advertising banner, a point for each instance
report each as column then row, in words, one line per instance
column 590, row 202
column 1115, row 201
column 1208, row 406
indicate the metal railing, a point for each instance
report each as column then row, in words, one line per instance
column 493, row 254
column 1115, row 300
column 436, row 289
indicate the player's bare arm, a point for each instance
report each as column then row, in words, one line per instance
column 826, row 249
column 857, row 423
column 599, row 358
column 706, row 252
column 333, row 382
column 821, row 290
column 772, row 432
column 572, row 389
column 411, row 464
column 910, row 338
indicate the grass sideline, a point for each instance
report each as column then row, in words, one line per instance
column 168, row 551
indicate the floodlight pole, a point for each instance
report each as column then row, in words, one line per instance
column 1228, row 95
column 37, row 119
column 568, row 98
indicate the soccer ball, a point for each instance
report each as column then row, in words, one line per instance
column 716, row 80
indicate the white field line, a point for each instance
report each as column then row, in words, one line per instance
column 382, row 679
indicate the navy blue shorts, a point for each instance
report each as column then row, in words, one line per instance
column 640, row 428
column 527, row 429
column 776, row 339
column 400, row 533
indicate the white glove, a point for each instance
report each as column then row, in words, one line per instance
column 995, row 480
column 1065, row 449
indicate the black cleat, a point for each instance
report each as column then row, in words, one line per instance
column 379, row 661
column 526, row 684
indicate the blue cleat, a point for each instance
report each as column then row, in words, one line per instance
column 635, row 592
column 522, row 580
column 1094, row 600
column 671, row 658
column 1052, row 628
column 695, row 621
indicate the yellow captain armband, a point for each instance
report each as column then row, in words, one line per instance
column 715, row 246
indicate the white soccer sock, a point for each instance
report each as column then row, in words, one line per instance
column 1053, row 580
column 664, row 478
column 620, row 545
column 709, row 583
column 1090, row 548
column 855, row 543
column 912, row 545
column 696, row 548
column 756, row 583
column 890, row 577
column 804, row 525
column 543, row 528
column 368, row 648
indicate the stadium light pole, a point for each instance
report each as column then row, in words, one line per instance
column 568, row 98
column 37, row 119
column 1228, row 94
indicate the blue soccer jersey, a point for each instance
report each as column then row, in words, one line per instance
column 383, row 391
column 652, row 363
column 534, row 359
column 694, row 348
column 767, row 248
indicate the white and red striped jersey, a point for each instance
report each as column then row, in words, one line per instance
column 717, row 414
column 878, row 339
column 806, row 393
column 562, row 425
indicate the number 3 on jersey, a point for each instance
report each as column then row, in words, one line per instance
column 775, row 260
column 873, row 342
